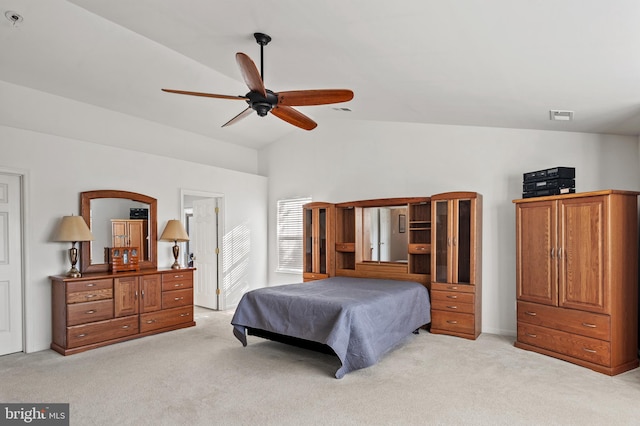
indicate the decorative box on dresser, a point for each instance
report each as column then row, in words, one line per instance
column 456, row 270
column 99, row 309
column 577, row 278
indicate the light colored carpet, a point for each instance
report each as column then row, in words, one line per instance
column 203, row 376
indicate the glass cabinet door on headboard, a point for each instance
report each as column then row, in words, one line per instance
column 454, row 240
column 318, row 239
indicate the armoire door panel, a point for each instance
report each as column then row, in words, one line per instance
column 582, row 256
column 536, row 252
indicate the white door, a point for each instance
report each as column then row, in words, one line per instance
column 10, row 264
column 385, row 234
column 205, row 248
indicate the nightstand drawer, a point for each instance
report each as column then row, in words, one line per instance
column 97, row 332
column 81, row 313
column 346, row 247
column 175, row 298
column 419, row 248
column 587, row 324
column 452, row 297
column 452, row 306
column 452, row 321
column 585, row 348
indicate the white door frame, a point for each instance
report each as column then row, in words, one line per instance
column 204, row 194
column 24, row 232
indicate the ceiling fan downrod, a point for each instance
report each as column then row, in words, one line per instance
column 262, row 39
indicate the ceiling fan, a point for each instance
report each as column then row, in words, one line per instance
column 279, row 104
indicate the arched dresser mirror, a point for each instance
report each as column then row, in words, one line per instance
column 104, row 211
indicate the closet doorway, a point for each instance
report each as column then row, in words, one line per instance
column 11, row 263
column 203, row 218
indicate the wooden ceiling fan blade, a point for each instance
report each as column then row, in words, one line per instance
column 294, row 117
column 250, row 74
column 207, row 95
column 238, row 117
column 314, row 97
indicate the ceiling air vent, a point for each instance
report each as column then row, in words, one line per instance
column 560, row 115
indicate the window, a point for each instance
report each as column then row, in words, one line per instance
column 290, row 234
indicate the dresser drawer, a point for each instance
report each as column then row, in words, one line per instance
column 451, row 296
column 175, row 298
column 75, row 287
column 97, row 332
column 165, row 318
column 90, row 295
column 177, row 280
column 452, row 321
column 585, row 348
column 80, row 313
column 587, row 324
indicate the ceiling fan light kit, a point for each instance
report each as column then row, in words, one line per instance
column 263, row 101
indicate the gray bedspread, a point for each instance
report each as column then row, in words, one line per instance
column 360, row 319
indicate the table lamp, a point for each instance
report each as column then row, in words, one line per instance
column 174, row 231
column 73, row 229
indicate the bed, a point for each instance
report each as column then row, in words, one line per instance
column 359, row 319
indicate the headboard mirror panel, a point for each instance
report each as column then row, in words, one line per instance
column 384, row 238
column 113, row 216
column 384, row 234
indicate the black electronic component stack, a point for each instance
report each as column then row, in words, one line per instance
column 555, row 181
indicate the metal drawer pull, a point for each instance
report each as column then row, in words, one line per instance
column 531, row 335
column 81, row 335
column 452, row 297
column 178, row 298
column 184, row 315
column 452, row 321
column 92, row 311
column 452, row 307
column 453, row 287
column 150, row 321
column 90, row 284
column 533, row 314
column 178, row 276
column 178, row 285
column 89, row 296
column 592, row 351
column 586, row 324
column 125, row 326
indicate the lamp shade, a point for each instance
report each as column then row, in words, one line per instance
column 73, row 229
column 174, row 231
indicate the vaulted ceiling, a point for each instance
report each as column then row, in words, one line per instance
column 498, row 63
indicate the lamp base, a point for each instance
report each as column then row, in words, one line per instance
column 73, row 257
column 74, row 273
column 176, row 254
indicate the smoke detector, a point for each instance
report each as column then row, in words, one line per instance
column 14, row 17
column 560, row 115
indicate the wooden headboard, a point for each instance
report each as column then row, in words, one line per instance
column 347, row 248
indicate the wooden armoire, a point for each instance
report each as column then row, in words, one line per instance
column 577, row 278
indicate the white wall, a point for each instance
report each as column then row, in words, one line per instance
column 364, row 160
column 29, row 109
column 59, row 168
